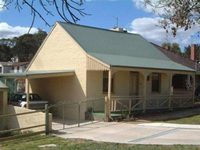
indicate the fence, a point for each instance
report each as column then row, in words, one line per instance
column 134, row 103
column 102, row 108
column 61, row 114
column 69, row 114
column 20, row 121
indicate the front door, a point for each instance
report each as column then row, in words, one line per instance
column 134, row 83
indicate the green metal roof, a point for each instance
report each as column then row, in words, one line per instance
column 120, row 49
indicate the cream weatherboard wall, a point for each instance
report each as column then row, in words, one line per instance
column 122, row 83
column 26, row 120
column 60, row 52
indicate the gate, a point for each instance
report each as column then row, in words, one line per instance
column 70, row 114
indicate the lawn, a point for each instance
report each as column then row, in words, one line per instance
column 183, row 116
column 187, row 120
column 33, row 143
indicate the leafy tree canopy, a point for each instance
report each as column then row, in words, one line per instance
column 176, row 13
column 173, row 47
column 24, row 47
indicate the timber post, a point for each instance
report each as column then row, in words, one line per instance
column 145, row 92
column 46, row 119
column 79, row 114
column 170, row 91
column 107, row 109
column 27, row 93
column 193, row 89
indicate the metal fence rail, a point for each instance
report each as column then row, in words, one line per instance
column 61, row 114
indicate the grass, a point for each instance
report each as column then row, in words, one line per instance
column 32, row 143
column 179, row 116
column 195, row 119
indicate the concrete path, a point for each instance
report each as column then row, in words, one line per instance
column 145, row 133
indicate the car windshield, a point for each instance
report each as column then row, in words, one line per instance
column 35, row 97
column 22, row 97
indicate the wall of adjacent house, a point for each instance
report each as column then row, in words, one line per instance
column 61, row 52
column 26, row 120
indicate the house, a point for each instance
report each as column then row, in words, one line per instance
column 13, row 67
column 77, row 62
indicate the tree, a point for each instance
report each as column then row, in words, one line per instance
column 5, row 53
column 176, row 13
column 176, row 48
column 27, row 45
column 24, row 47
column 68, row 10
column 173, row 47
column 39, row 37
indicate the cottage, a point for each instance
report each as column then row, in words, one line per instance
column 77, row 62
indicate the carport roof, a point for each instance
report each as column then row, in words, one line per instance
column 39, row 74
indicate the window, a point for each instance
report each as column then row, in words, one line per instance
column 1, row 70
column 156, row 82
column 105, row 82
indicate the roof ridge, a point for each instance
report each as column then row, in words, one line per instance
column 98, row 28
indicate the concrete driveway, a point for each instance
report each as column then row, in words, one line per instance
column 145, row 133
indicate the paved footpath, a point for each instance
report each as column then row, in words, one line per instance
column 145, row 133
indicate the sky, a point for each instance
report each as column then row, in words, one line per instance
column 103, row 13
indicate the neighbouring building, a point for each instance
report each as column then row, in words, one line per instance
column 14, row 66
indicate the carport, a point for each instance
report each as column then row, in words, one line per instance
column 38, row 81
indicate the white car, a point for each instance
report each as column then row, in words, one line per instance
column 35, row 101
